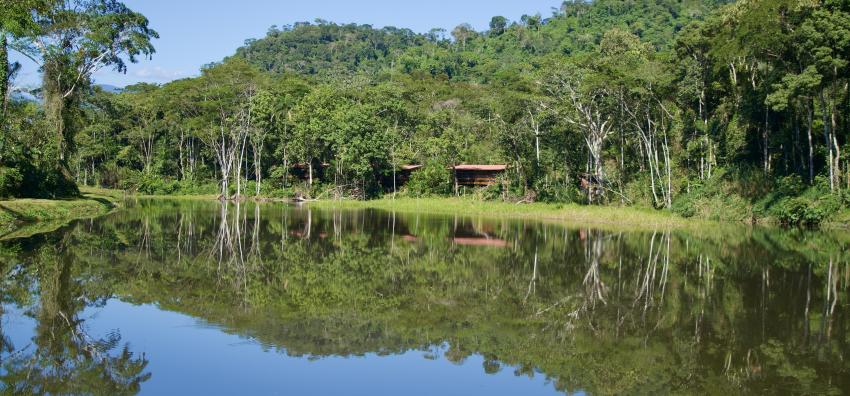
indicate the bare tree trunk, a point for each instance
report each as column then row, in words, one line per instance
column 827, row 136
column 285, row 166
column 765, row 138
column 454, row 172
column 180, row 152
column 258, row 166
column 192, row 157
column 238, row 173
column 836, row 149
column 810, row 120
column 666, row 148
column 536, row 127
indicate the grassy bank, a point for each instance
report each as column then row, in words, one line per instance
column 606, row 216
column 22, row 217
column 713, row 215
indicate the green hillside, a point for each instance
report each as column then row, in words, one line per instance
column 329, row 50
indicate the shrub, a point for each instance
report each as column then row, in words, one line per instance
column 432, row 179
column 45, row 182
column 684, row 207
column 10, row 182
column 557, row 193
column 807, row 211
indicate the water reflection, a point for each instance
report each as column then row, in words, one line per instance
column 608, row 312
column 62, row 357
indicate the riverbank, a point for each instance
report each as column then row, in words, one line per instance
column 611, row 216
column 22, row 217
column 607, row 216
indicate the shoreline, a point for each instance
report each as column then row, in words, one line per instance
column 28, row 216
column 609, row 217
column 568, row 214
column 23, row 214
column 616, row 217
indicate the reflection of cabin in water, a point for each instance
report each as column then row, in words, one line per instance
column 478, row 175
column 476, row 233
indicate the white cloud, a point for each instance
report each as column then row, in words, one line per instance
column 157, row 73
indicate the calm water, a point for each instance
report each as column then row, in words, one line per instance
column 198, row 298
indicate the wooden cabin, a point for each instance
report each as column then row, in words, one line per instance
column 302, row 171
column 478, row 175
column 403, row 174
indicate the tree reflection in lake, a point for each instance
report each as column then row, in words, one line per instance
column 664, row 311
column 61, row 357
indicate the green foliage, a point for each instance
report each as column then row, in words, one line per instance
column 725, row 196
column 10, row 182
column 793, row 204
column 71, row 39
column 332, row 52
column 433, row 178
column 304, row 48
column 711, row 109
column 684, row 207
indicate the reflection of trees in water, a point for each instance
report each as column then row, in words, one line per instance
column 237, row 249
column 63, row 358
column 687, row 306
column 610, row 312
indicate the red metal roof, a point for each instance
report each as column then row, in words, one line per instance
column 482, row 167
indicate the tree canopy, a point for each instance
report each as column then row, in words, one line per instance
column 733, row 110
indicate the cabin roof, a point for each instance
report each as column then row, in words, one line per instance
column 299, row 165
column 410, row 167
column 481, row 167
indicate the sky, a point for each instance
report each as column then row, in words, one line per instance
column 196, row 32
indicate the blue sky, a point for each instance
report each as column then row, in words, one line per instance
column 196, row 32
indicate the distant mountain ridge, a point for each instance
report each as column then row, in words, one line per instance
column 23, row 94
column 110, row 88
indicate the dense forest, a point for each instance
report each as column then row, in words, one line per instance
column 717, row 109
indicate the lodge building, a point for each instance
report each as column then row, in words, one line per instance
column 464, row 175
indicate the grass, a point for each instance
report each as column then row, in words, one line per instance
column 840, row 221
column 184, row 197
column 22, row 217
column 609, row 217
column 603, row 216
column 726, row 213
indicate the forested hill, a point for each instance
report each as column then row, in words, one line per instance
column 329, row 50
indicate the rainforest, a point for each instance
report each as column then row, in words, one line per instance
column 731, row 111
column 609, row 197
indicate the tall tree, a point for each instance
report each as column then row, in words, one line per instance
column 16, row 23
column 76, row 39
column 498, row 25
column 226, row 93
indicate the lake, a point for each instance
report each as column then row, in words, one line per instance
column 192, row 297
